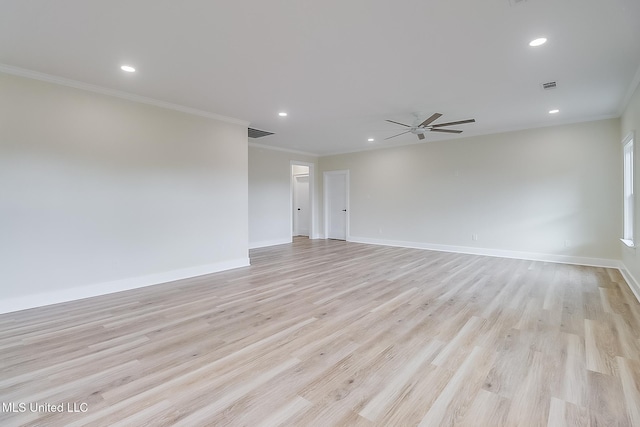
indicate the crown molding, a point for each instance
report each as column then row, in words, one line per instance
column 286, row 150
column 35, row 75
column 488, row 132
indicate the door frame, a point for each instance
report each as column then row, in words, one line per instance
column 312, row 184
column 325, row 176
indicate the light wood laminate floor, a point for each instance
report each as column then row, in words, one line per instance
column 329, row 333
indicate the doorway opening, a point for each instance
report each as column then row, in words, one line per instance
column 302, row 190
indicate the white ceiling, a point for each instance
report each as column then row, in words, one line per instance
column 340, row 68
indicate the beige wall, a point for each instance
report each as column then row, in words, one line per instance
column 533, row 191
column 630, row 121
column 96, row 189
column 270, row 195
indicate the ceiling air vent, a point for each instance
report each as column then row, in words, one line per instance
column 549, row 85
column 255, row 133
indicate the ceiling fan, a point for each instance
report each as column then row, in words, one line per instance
column 426, row 126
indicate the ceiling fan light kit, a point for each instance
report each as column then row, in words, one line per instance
column 426, row 126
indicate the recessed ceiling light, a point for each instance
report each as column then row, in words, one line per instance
column 554, row 111
column 283, row 114
column 128, row 68
column 370, row 139
column 537, row 42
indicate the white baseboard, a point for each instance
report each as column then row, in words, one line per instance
column 631, row 281
column 9, row 305
column 265, row 243
column 563, row 259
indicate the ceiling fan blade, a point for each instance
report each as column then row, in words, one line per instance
column 398, row 123
column 446, row 130
column 430, row 120
column 397, row 135
column 461, row 122
column 420, row 136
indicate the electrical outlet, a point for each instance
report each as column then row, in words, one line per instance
column 567, row 243
column 474, row 237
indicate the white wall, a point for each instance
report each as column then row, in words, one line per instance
column 523, row 193
column 270, row 195
column 630, row 121
column 100, row 194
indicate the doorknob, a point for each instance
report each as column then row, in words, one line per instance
column 299, row 209
column 344, row 210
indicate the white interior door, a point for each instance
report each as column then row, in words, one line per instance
column 336, row 201
column 301, row 211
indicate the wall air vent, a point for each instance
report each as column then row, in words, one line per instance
column 255, row 133
column 549, row 85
